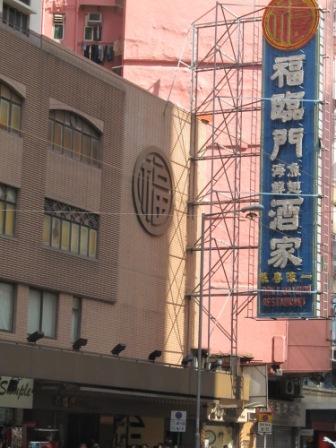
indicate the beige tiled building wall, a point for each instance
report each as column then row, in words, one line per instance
column 134, row 292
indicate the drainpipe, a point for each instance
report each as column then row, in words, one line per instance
column 76, row 26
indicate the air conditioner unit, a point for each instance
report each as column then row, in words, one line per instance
column 292, row 387
column 93, row 18
column 247, row 415
column 251, row 416
column 289, row 387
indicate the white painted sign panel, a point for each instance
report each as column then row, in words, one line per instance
column 178, row 421
column 264, row 428
column 307, row 432
column 16, row 392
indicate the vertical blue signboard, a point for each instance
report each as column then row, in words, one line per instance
column 287, row 271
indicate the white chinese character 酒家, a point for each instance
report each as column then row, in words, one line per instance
column 286, row 215
column 282, row 252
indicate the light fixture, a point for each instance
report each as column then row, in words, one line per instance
column 154, row 354
column 187, row 360
column 118, row 349
column 79, row 343
column 204, row 352
column 252, row 210
column 34, row 337
column 218, row 364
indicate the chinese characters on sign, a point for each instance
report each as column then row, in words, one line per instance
column 178, row 421
column 286, row 277
column 152, row 191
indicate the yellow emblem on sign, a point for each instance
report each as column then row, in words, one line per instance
column 290, row 24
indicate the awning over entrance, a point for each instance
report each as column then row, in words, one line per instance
column 23, row 360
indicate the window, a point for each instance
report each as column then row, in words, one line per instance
column 16, row 19
column 93, row 27
column 94, row 17
column 88, row 33
column 10, row 109
column 42, row 312
column 73, row 136
column 58, row 20
column 333, row 325
column 7, row 210
column 76, row 318
column 7, row 292
column 93, row 32
column 70, row 229
column 58, row 31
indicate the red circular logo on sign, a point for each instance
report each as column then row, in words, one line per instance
column 290, row 24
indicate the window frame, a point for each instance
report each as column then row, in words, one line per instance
column 82, row 220
column 80, row 130
column 6, row 203
column 79, row 316
column 41, row 293
column 13, row 308
column 23, row 26
column 14, row 100
column 86, row 28
column 58, row 26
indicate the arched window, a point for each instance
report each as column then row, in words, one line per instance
column 73, row 136
column 10, row 109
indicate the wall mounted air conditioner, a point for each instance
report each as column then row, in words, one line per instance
column 289, row 387
column 292, row 387
column 247, row 415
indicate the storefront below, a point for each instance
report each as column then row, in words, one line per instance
column 112, row 418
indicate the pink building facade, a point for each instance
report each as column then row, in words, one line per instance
column 89, row 28
column 151, row 44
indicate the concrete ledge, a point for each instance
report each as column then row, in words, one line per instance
column 39, row 362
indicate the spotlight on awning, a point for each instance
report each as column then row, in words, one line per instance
column 118, row 349
column 154, row 354
column 34, row 337
column 79, row 343
column 187, row 360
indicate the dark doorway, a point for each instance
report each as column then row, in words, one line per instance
column 81, row 428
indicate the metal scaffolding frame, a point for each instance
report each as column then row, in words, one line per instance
column 224, row 67
column 226, row 93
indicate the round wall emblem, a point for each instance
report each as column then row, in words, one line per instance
column 153, row 191
column 290, row 24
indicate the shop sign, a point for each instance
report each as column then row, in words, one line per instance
column 217, row 436
column 16, row 392
column 326, row 439
column 264, row 417
column 287, row 413
column 215, row 412
column 287, row 276
column 178, row 421
column 258, row 383
column 307, row 432
column 153, row 191
column 264, row 428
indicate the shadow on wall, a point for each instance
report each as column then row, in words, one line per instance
column 155, row 88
